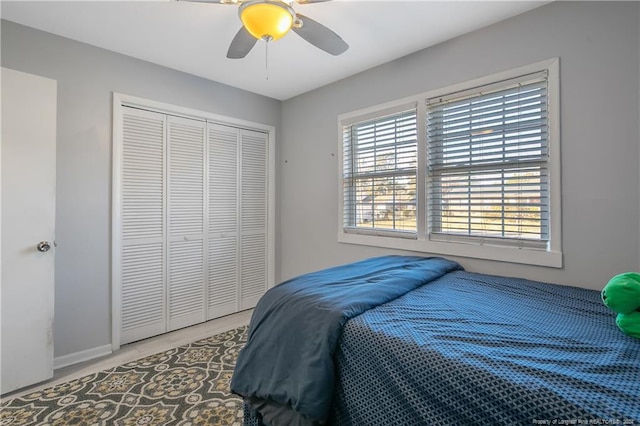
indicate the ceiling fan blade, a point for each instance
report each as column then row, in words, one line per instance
column 310, row 1
column 320, row 36
column 241, row 44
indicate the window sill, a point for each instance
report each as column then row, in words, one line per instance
column 527, row 256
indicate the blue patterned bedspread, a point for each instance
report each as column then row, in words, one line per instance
column 472, row 349
column 286, row 370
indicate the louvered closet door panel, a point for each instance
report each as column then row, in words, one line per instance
column 142, row 256
column 186, row 172
column 186, row 289
column 223, row 220
column 253, row 221
column 223, row 276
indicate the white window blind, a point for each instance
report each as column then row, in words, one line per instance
column 488, row 164
column 379, row 175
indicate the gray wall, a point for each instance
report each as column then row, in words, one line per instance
column 86, row 77
column 597, row 42
column 598, row 45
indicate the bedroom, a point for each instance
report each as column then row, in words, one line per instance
column 597, row 43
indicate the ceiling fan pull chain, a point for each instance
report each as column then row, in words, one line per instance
column 266, row 59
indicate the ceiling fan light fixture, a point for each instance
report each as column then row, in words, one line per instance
column 267, row 19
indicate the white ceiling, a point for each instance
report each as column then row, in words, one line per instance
column 194, row 37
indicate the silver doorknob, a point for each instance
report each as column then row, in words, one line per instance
column 44, row 246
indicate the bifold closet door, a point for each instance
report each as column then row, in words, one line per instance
column 142, row 259
column 224, row 204
column 186, row 219
column 163, row 216
column 237, row 257
column 253, row 219
column 193, row 213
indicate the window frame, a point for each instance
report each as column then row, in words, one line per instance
column 550, row 256
column 355, row 176
column 464, row 161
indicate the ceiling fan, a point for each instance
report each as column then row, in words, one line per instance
column 272, row 19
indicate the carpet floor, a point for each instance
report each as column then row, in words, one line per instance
column 185, row 386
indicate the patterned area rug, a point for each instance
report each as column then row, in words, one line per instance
column 184, row 386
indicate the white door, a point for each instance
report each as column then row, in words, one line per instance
column 186, row 218
column 139, row 225
column 28, row 217
column 253, row 217
column 190, row 220
column 224, row 206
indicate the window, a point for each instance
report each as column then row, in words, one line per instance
column 380, row 175
column 469, row 170
column 487, row 163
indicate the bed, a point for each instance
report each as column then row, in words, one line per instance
column 404, row 340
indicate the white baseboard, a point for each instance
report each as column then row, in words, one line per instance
column 76, row 357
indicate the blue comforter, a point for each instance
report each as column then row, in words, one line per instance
column 473, row 349
column 286, row 370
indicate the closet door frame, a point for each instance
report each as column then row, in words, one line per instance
column 123, row 100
